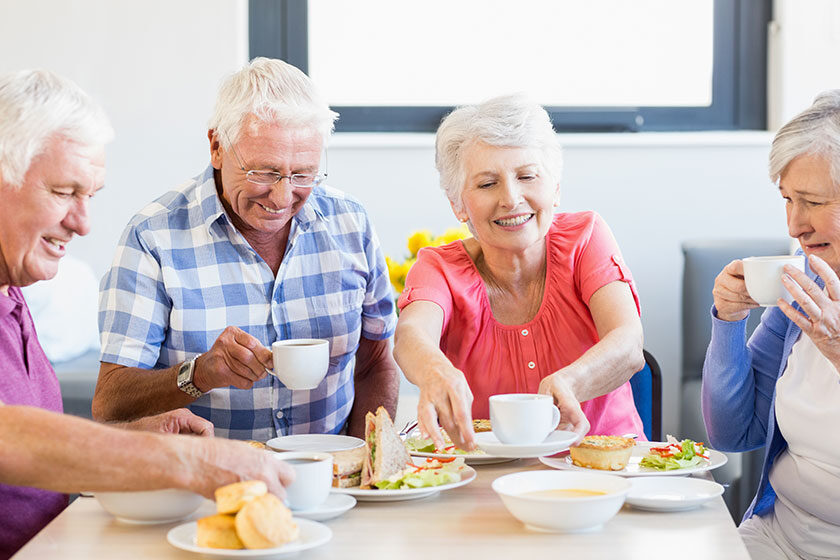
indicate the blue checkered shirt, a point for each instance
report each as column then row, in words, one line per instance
column 182, row 273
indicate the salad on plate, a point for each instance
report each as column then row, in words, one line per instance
column 675, row 454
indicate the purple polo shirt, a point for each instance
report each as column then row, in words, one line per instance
column 26, row 378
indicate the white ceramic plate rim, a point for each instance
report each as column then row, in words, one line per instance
column 362, row 494
column 556, row 441
column 328, row 443
column 716, row 459
column 688, row 493
column 335, row 505
column 469, row 458
column 312, row 534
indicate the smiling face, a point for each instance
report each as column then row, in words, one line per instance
column 265, row 210
column 812, row 203
column 39, row 218
column 508, row 197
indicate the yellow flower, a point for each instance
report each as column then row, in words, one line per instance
column 418, row 240
column 397, row 271
column 454, row 234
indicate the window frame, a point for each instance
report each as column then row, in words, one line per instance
column 279, row 29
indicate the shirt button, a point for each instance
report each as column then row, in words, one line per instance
column 524, row 332
column 531, row 365
column 279, row 414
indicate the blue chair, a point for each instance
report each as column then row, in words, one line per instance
column 647, row 394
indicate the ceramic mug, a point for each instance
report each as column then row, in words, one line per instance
column 313, row 478
column 763, row 276
column 301, row 363
column 523, row 418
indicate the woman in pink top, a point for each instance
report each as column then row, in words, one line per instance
column 534, row 302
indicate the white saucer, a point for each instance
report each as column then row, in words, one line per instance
column 671, row 493
column 335, row 505
column 328, row 443
column 556, row 441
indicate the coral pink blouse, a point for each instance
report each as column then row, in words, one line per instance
column 582, row 256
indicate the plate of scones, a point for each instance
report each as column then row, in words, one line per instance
column 249, row 523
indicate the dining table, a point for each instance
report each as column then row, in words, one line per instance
column 468, row 522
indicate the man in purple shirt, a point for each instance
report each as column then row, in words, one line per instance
column 52, row 160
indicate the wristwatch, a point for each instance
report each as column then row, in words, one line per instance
column 185, row 378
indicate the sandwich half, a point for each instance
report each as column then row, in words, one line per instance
column 386, row 454
column 347, row 467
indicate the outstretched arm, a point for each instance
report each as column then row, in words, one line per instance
column 68, row 454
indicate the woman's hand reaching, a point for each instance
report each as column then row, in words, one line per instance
column 571, row 415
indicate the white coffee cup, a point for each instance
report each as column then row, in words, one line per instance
column 313, row 478
column 301, row 363
column 523, row 418
column 763, row 276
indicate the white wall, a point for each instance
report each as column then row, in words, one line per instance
column 156, row 65
column 803, row 45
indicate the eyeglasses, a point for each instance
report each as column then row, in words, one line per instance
column 268, row 178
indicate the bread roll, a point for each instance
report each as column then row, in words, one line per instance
column 606, row 453
column 218, row 531
column 231, row 498
column 265, row 522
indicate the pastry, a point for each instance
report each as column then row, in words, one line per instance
column 231, row 498
column 606, row 453
column 217, row 531
column 265, row 522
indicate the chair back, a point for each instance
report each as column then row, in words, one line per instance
column 647, row 394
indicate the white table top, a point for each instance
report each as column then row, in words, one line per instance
column 468, row 522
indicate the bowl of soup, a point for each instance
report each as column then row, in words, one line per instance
column 562, row 501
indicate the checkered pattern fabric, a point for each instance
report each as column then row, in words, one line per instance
column 182, row 273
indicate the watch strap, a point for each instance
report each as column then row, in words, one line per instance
column 185, row 379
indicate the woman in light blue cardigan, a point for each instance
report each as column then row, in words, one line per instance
column 781, row 390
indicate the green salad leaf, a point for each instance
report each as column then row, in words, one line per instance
column 431, row 473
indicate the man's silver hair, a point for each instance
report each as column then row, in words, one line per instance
column 814, row 131
column 274, row 92
column 35, row 105
column 511, row 121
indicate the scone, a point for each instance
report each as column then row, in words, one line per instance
column 265, row 522
column 231, row 498
column 218, row 531
column 255, row 444
column 481, row 425
column 606, row 453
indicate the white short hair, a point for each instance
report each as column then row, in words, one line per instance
column 35, row 105
column 814, row 131
column 274, row 92
column 512, row 121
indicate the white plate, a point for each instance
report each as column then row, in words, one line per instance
column 335, row 505
column 716, row 459
column 328, row 443
column 376, row 495
column 469, row 458
column 312, row 534
column 556, row 441
column 672, row 493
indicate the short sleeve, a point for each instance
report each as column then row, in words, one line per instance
column 378, row 317
column 600, row 262
column 427, row 281
column 133, row 305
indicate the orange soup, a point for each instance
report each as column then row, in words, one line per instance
column 564, row 493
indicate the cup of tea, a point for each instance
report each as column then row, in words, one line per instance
column 523, row 418
column 301, row 363
column 763, row 276
column 313, row 478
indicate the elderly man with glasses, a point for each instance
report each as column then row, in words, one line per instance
column 254, row 250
